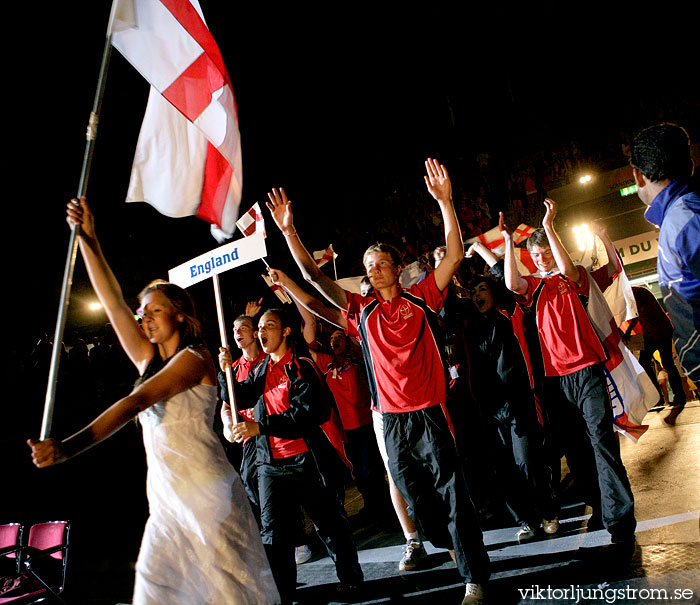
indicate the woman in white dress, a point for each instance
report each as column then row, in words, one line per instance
column 201, row 543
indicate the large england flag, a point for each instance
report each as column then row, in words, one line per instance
column 188, row 155
column 632, row 393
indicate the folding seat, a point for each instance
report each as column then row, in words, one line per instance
column 43, row 559
column 10, row 541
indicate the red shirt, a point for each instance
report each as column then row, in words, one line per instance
column 241, row 369
column 567, row 338
column 276, row 402
column 400, row 345
column 349, row 389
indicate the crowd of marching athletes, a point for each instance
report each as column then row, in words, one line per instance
column 426, row 396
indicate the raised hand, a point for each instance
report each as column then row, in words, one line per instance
column 598, row 229
column 281, row 209
column 551, row 212
column 438, row 181
column 471, row 250
column 253, row 307
column 278, row 277
column 503, row 228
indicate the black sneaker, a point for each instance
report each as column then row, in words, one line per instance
column 350, row 593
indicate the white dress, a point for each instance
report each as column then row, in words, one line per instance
column 201, row 543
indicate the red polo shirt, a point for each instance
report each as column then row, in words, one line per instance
column 400, row 344
column 276, row 402
column 241, row 370
column 350, row 394
column 567, row 338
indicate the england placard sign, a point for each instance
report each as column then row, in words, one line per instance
column 218, row 260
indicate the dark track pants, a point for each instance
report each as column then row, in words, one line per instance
column 686, row 332
column 368, row 468
column 665, row 349
column 586, row 390
column 524, row 479
column 249, row 474
column 284, row 486
column 424, row 465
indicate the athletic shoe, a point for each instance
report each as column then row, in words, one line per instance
column 550, row 527
column 413, row 554
column 474, row 595
column 672, row 415
column 525, row 532
column 302, row 554
column 348, row 591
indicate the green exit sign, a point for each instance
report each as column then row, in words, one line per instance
column 628, row 190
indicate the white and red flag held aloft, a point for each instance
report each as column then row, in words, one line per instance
column 522, row 232
column 618, row 295
column 492, row 239
column 252, row 221
column 631, row 391
column 323, row 256
column 279, row 291
column 188, row 155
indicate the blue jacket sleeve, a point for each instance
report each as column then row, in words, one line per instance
column 688, row 247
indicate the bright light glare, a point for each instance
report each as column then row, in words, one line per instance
column 587, row 178
column 94, row 306
column 584, row 237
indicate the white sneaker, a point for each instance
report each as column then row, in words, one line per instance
column 413, row 555
column 525, row 532
column 473, row 595
column 550, row 527
column 302, row 554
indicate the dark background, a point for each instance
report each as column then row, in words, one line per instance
column 337, row 105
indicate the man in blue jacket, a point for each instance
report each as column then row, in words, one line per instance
column 662, row 169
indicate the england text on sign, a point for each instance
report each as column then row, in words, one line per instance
column 218, row 260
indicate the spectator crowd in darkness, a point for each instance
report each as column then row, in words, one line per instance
column 487, row 182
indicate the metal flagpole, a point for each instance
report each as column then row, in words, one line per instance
column 73, row 246
column 335, row 271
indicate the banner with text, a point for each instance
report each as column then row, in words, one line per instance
column 218, row 260
column 638, row 247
